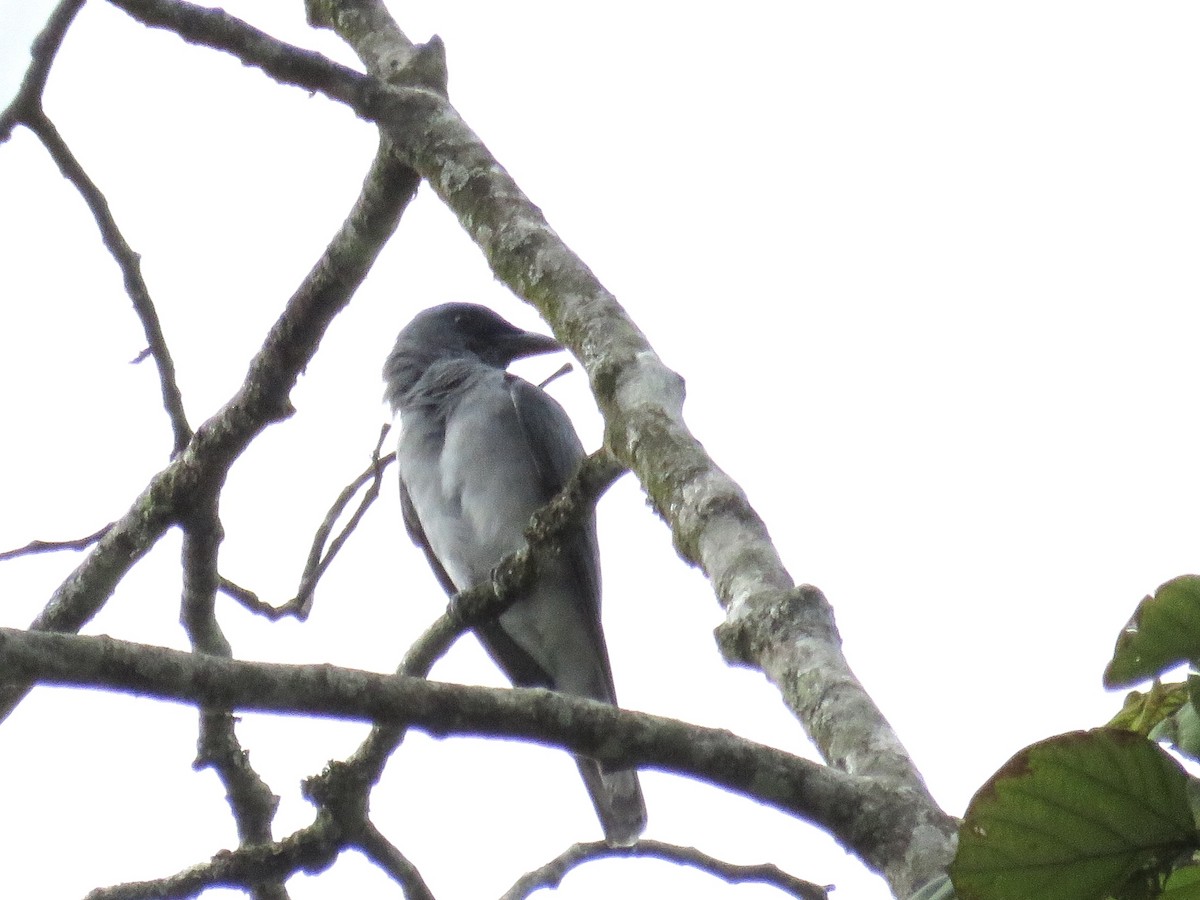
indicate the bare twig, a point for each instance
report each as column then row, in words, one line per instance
column 34, row 547
column 249, row 599
column 558, row 373
column 131, row 269
column 380, row 850
column 318, row 557
column 323, row 551
column 45, row 49
column 553, row 872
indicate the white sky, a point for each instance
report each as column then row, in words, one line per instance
column 929, row 270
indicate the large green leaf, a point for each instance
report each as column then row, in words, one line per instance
column 1164, row 631
column 1074, row 817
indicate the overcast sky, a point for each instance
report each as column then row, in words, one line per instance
column 928, row 269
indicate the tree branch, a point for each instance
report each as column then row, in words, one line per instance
column 251, row 801
column 811, row 791
column 552, row 873
column 202, row 535
column 319, row 557
column 249, row 600
column 311, row 850
column 35, row 547
column 380, row 850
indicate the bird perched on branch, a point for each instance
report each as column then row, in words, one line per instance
column 480, row 450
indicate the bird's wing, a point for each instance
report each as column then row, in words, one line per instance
column 556, row 452
column 553, row 444
column 522, row 668
column 412, row 524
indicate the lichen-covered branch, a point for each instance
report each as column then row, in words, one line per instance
column 311, row 850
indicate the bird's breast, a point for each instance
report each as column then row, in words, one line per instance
column 472, row 480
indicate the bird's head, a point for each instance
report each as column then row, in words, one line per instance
column 457, row 331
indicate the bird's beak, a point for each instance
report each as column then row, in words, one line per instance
column 529, row 343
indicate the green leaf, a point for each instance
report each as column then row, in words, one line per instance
column 1181, row 729
column 1164, row 631
column 1145, row 713
column 1074, row 817
column 1184, row 884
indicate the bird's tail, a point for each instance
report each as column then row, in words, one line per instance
column 617, row 796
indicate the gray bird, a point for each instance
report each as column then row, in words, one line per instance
column 480, row 450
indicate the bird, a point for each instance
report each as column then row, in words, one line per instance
column 480, row 450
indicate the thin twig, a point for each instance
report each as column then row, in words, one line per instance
column 319, row 557
column 553, row 872
column 249, row 599
column 45, row 48
column 130, row 265
column 559, row 373
column 34, row 547
column 384, row 854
